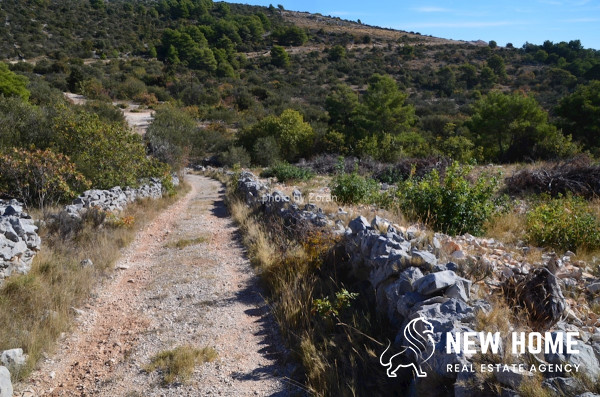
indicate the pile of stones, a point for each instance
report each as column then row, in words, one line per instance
column 19, row 241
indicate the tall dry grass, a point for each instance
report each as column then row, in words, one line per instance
column 296, row 266
column 35, row 309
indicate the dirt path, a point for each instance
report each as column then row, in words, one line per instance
column 162, row 297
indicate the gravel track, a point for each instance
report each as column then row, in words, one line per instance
column 161, row 297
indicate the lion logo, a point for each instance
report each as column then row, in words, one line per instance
column 417, row 341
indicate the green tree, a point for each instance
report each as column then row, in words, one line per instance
column 496, row 63
column 513, row 127
column 291, row 35
column 468, row 74
column 171, row 136
column 487, row 77
column 172, row 57
column 12, row 84
column 294, row 136
column 336, row 53
column 280, row 57
column 446, row 80
column 203, row 59
column 580, row 113
column 341, row 104
column 97, row 4
column 384, row 109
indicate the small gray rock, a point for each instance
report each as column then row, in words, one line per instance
column 460, row 290
column 86, row 263
column 13, row 358
column 593, row 288
column 423, row 259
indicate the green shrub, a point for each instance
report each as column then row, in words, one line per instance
column 566, row 223
column 40, row 177
column 451, row 204
column 285, row 172
column 235, row 155
column 265, row 151
column 171, row 136
column 353, row 188
column 107, row 154
column 294, row 136
column 12, row 84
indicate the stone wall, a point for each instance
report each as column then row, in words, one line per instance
column 19, row 241
column 116, row 199
column 409, row 279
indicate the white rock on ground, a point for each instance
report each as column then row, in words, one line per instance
column 6, row 389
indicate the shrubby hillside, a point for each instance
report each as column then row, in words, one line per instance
column 352, row 89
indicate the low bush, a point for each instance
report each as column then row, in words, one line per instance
column 287, row 172
column 451, row 204
column 566, row 223
column 353, row 188
column 417, row 167
column 40, row 177
column 235, row 155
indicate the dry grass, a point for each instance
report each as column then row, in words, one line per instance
column 181, row 244
column 296, row 267
column 508, row 228
column 178, row 364
column 36, row 308
column 256, row 239
column 533, row 388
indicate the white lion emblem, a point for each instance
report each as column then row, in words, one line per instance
column 418, row 342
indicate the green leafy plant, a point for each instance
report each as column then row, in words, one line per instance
column 287, row 172
column 566, row 223
column 325, row 308
column 352, row 188
column 451, row 204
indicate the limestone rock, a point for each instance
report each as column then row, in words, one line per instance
column 513, row 377
column 359, row 224
column 13, row 358
column 6, row 389
column 586, row 358
column 435, row 282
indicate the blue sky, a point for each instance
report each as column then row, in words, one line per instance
column 505, row 21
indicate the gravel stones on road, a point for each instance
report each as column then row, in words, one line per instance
column 204, row 294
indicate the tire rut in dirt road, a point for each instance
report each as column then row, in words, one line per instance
column 200, row 292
